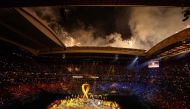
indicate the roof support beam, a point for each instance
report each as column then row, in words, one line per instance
column 178, row 37
column 31, row 50
column 40, row 25
column 106, row 50
column 20, row 33
column 25, row 3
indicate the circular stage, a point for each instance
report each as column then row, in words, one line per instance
column 83, row 102
column 80, row 103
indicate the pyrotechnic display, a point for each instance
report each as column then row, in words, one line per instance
column 125, row 27
column 94, row 54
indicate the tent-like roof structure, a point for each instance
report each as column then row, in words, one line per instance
column 22, row 28
column 24, row 3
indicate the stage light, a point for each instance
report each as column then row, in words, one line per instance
column 135, row 59
column 77, row 77
column 99, row 102
column 133, row 62
column 116, row 57
column 94, row 77
column 63, row 56
column 77, row 69
column 69, row 69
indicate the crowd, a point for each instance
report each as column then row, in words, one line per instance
column 166, row 86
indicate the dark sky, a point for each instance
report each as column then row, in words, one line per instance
column 137, row 27
column 104, row 20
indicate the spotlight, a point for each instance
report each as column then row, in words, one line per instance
column 63, row 56
column 116, row 57
column 134, row 62
column 94, row 77
column 77, row 77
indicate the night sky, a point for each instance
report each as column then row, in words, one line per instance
column 126, row 27
column 104, row 20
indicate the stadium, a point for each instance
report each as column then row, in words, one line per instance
column 38, row 70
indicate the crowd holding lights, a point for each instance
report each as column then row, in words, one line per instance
column 166, row 86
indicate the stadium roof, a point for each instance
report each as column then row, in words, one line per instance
column 25, row 3
column 173, row 45
column 24, row 30
column 35, row 36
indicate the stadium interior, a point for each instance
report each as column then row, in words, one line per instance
column 37, row 69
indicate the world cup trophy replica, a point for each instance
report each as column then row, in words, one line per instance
column 85, row 90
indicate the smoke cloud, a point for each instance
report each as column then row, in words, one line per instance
column 148, row 26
